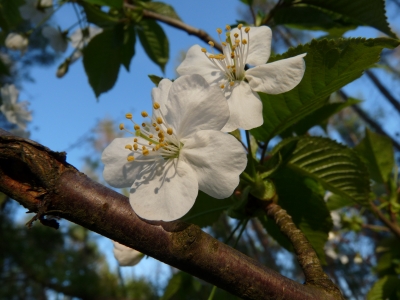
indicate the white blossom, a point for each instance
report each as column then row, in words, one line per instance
column 36, row 10
column 80, row 39
column 126, row 256
column 177, row 152
column 57, row 39
column 15, row 113
column 250, row 46
column 16, row 41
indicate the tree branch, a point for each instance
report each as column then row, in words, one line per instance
column 306, row 256
column 394, row 228
column 42, row 181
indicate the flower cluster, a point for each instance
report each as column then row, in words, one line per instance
column 14, row 111
column 183, row 147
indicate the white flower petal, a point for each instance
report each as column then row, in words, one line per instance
column 15, row 41
column 259, row 42
column 165, row 191
column 125, row 255
column 160, row 94
column 194, row 105
column 217, row 158
column 277, row 77
column 118, row 172
column 196, row 62
column 56, row 39
column 30, row 12
column 245, row 107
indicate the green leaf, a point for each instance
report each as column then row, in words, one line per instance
column 110, row 3
column 162, row 9
column 336, row 167
column 330, row 65
column 104, row 55
column 155, row 79
column 336, row 202
column 154, row 42
column 128, row 46
column 368, row 13
column 96, row 16
column 10, row 17
column 377, row 152
column 385, row 288
column 318, row 117
column 307, row 208
column 173, row 286
column 313, row 18
column 206, row 210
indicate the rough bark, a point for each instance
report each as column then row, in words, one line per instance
column 42, row 181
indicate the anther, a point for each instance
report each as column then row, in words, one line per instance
column 244, row 42
column 135, row 140
column 203, row 50
column 128, row 147
column 145, row 152
column 222, row 86
column 150, row 143
column 130, row 158
column 240, row 26
column 150, row 136
column 135, row 146
column 144, row 114
column 247, row 29
column 143, row 148
column 128, row 116
column 143, row 124
column 236, row 35
column 224, row 44
column 159, row 120
column 227, row 27
column 137, row 127
column 156, row 105
column 231, row 83
column 157, row 128
column 211, row 43
column 170, row 131
column 219, row 30
column 121, row 126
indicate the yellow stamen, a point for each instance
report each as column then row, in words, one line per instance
column 222, row 86
column 150, row 143
column 236, row 35
column 135, row 140
column 150, row 136
column 121, row 126
column 143, row 147
column 224, row 44
column 130, row 158
column 244, row 42
column 237, row 42
column 170, row 131
column 240, row 26
column 211, row 43
column 128, row 147
column 143, row 124
column 145, row 152
column 247, row 29
column 161, row 135
column 203, row 50
column 159, row 120
column 137, row 127
column 219, row 30
column 227, row 27
column 128, row 116
column 135, row 146
column 231, row 83
column 157, row 128
column 156, row 105
column 144, row 114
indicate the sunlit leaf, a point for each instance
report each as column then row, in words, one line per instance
column 110, row 3
column 336, row 167
column 154, row 42
column 387, row 287
column 162, row 9
column 329, row 66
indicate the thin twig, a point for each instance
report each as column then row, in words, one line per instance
column 394, row 228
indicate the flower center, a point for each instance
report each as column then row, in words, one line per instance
column 233, row 59
column 152, row 138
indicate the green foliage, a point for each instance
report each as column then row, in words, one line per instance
column 336, row 167
column 378, row 155
column 154, row 42
column 110, row 3
column 389, row 260
column 305, row 204
column 319, row 117
column 102, row 67
column 155, row 79
column 335, row 202
column 162, row 9
column 330, row 65
column 10, row 17
column 359, row 12
column 387, row 288
column 98, row 17
column 206, row 210
column 313, row 18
